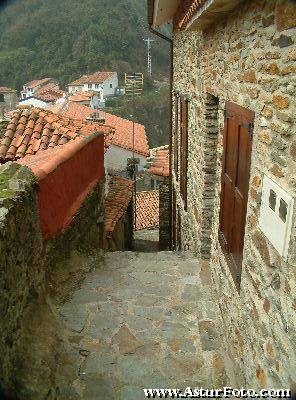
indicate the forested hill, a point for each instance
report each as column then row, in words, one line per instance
column 67, row 38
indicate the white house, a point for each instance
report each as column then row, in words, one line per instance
column 43, row 97
column 122, row 146
column 90, row 99
column 30, row 88
column 121, row 143
column 105, row 83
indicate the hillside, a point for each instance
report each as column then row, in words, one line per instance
column 66, row 38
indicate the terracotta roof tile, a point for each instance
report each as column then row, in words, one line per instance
column 81, row 96
column 147, row 210
column 122, row 136
column 96, row 77
column 37, row 82
column 117, row 201
column 187, row 12
column 160, row 165
column 49, row 93
column 31, row 131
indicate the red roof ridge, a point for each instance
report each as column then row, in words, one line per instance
column 95, row 77
column 37, row 82
column 60, row 155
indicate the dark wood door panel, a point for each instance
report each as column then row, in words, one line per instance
column 242, row 179
column 235, row 182
column 231, row 150
column 226, row 221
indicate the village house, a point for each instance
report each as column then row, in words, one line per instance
column 30, row 88
column 8, row 100
column 233, row 169
column 122, row 145
column 89, row 99
column 43, row 97
column 159, row 171
column 104, row 83
column 158, row 166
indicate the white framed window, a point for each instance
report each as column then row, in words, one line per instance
column 111, row 85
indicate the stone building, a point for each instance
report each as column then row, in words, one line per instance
column 8, row 100
column 234, row 167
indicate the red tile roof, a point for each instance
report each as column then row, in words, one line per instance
column 49, row 93
column 123, row 128
column 161, row 163
column 123, row 136
column 81, row 96
column 30, row 131
column 96, row 77
column 37, row 82
column 147, row 210
column 5, row 89
column 117, row 201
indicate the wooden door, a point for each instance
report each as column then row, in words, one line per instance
column 237, row 146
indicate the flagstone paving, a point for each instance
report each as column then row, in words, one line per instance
column 145, row 320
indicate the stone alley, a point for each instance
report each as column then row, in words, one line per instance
column 144, row 320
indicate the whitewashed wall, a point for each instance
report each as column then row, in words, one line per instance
column 116, row 158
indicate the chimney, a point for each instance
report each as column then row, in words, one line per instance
column 95, row 117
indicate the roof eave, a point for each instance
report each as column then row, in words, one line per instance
column 210, row 12
column 160, row 12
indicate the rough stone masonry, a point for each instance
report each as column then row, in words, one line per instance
column 247, row 58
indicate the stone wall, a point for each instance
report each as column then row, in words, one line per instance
column 164, row 214
column 122, row 236
column 248, row 59
column 30, row 352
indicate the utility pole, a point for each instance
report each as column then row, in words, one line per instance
column 149, row 60
column 134, row 86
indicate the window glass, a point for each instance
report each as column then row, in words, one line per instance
column 272, row 199
column 283, row 210
column 1, row 98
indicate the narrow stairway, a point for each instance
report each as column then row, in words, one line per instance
column 145, row 320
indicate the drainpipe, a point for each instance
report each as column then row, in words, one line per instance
column 155, row 32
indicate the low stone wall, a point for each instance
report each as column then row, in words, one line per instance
column 27, row 363
column 122, row 236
